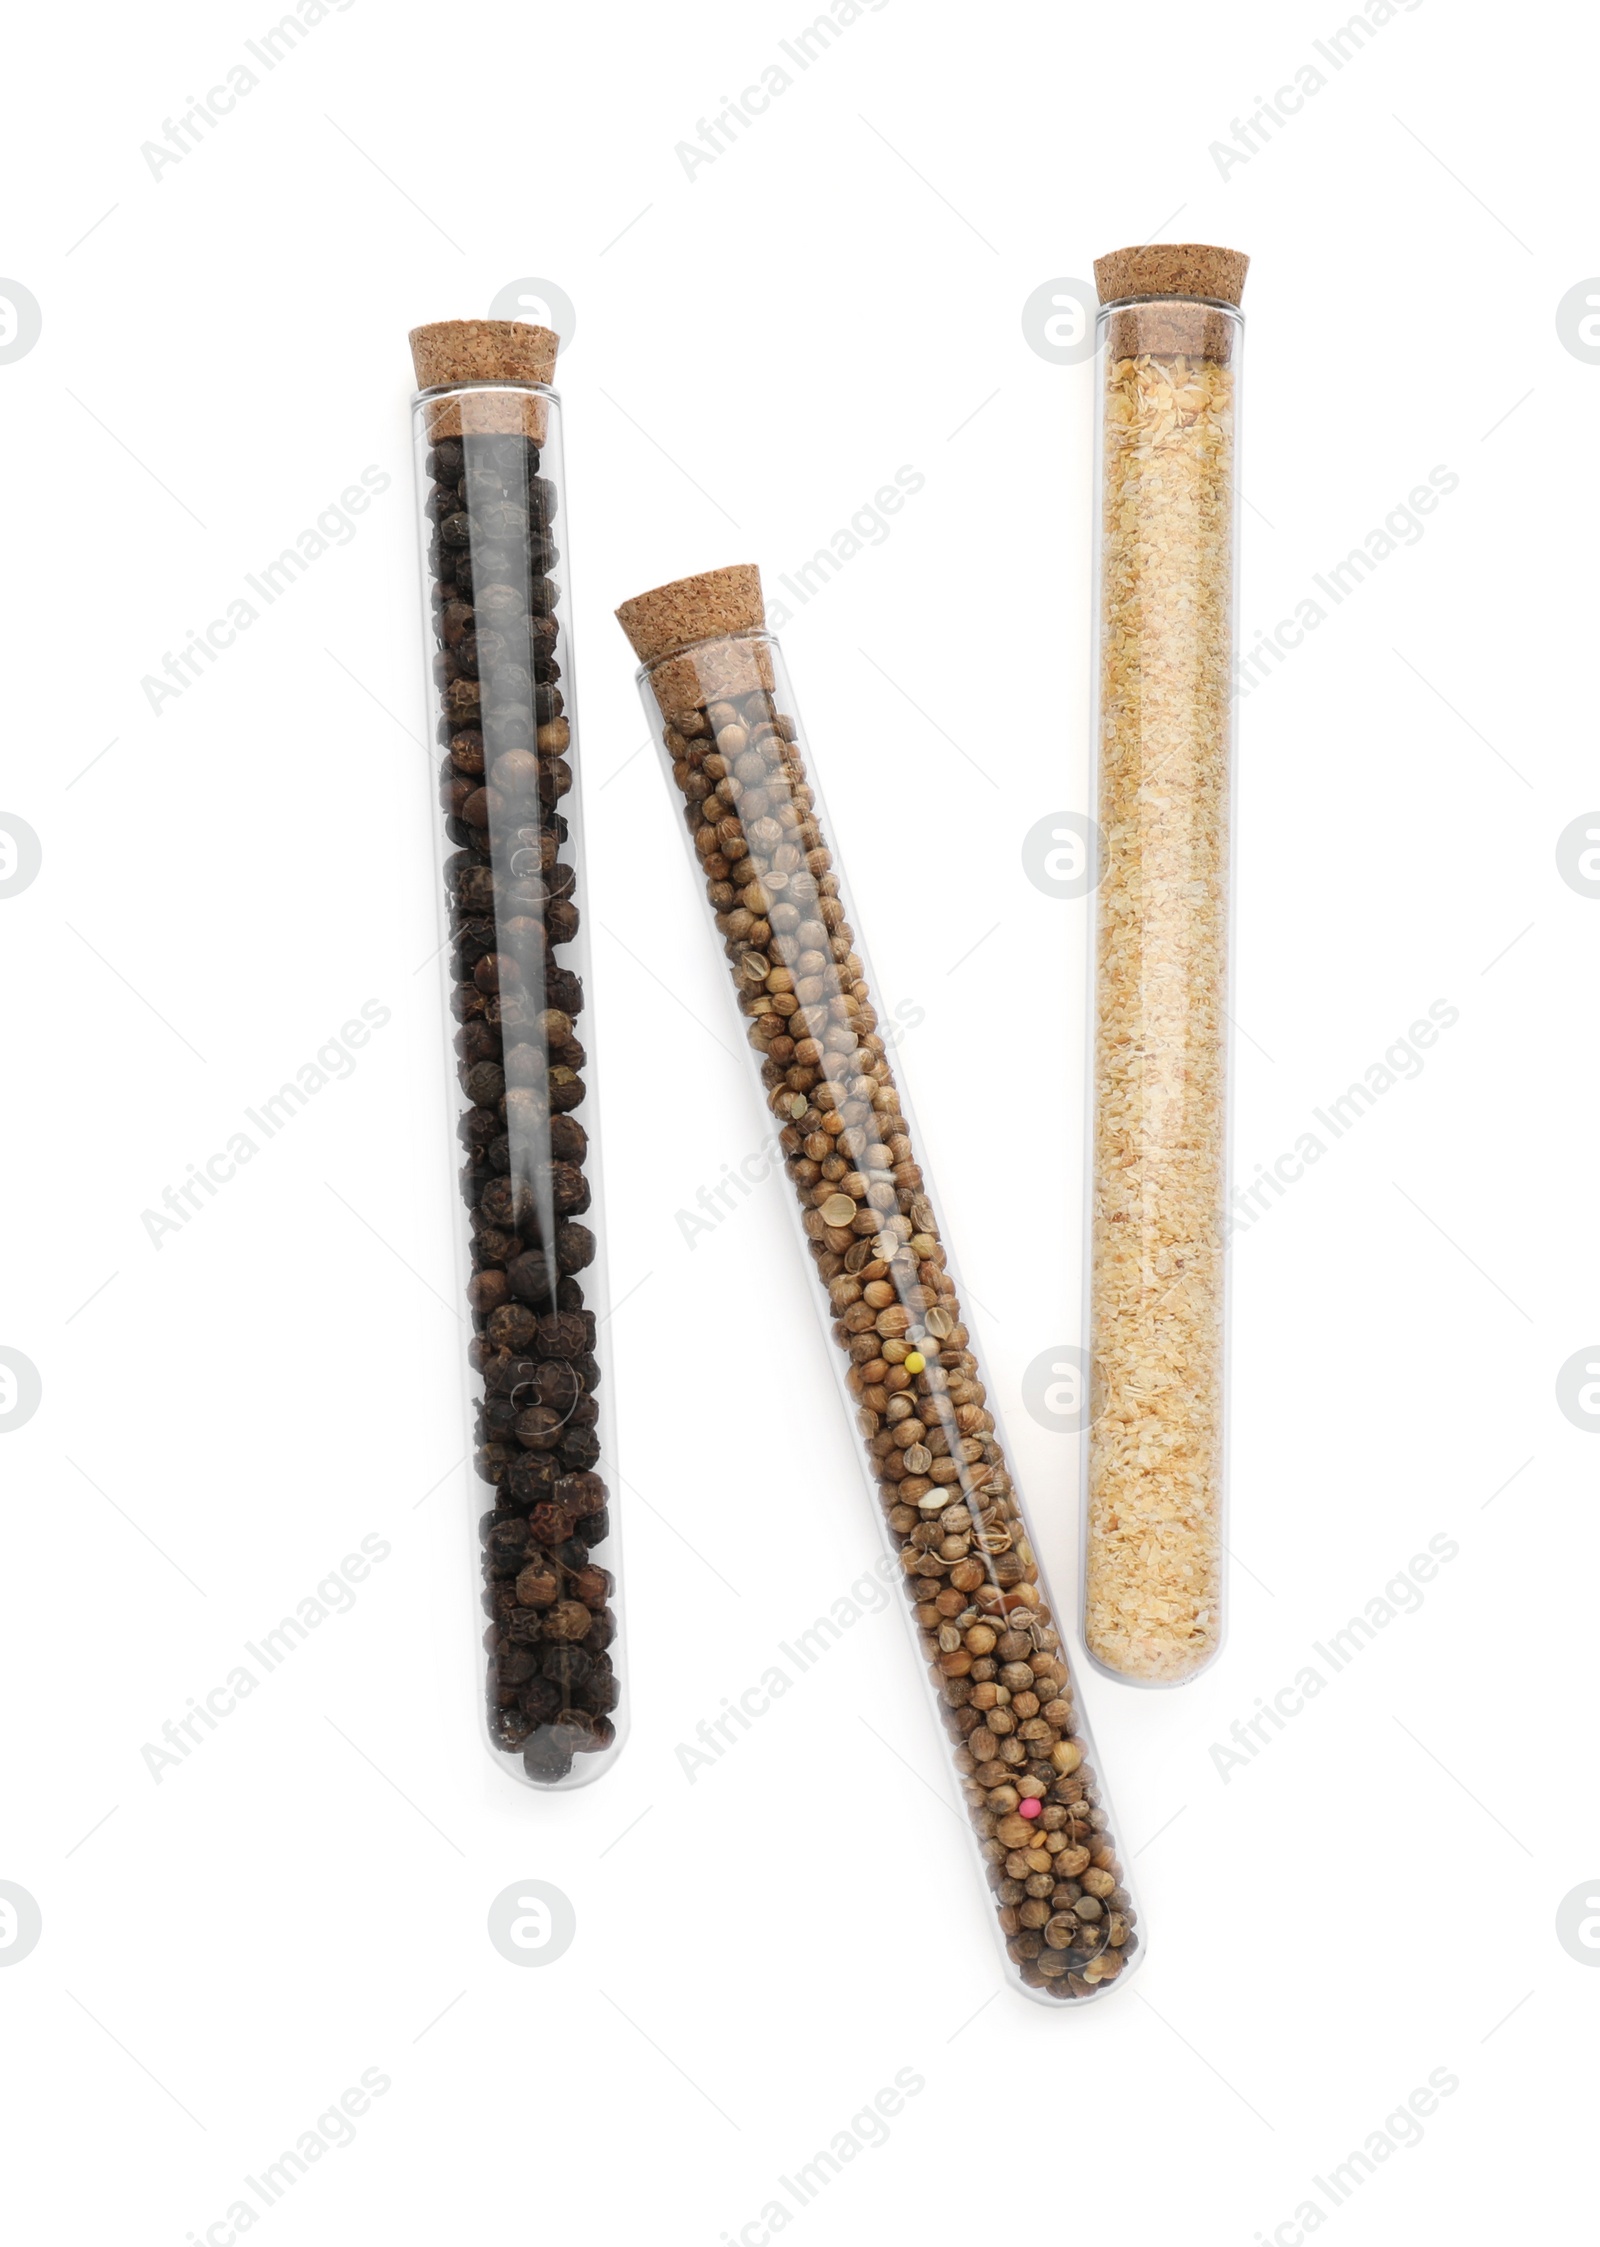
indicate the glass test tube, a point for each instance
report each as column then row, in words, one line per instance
column 541, row 1435
column 1155, row 1475
column 717, row 699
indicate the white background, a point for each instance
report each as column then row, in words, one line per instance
column 1371, row 1898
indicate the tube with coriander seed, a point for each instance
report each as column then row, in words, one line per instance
column 718, row 702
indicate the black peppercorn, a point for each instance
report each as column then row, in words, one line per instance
column 561, row 1334
column 509, row 1727
column 513, row 1326
column 539, row 1584
column 477, row 1130
column 539, row 1429
column 546, row 1758
column 532, row 1477
column 582, row 1494
column 551, row 1522
column 565, row 990
column 566, row 1665
column 556, row 1384
column 507, row 1540
column 593, row 1585
column 575, row 1246
column 541, row 1697
column 601, row 1695
column 483, row 1082
column 530, row 1278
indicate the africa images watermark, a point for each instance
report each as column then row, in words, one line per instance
column 333, row 1060
column 1401, row 2128
column 868, row 1595
column 733, row 1188
column 1403, row 1594
column 1401, row 1061
column 1402, row 526
column 333, row 527
column 867, row 2129
column 718, row 1201
column 333, row 2130
column 334, row 1595
column 1253, row 134
column 718, row 134
column 866, row 527
column 183, row 134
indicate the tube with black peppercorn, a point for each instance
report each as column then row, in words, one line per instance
column 543, row 1447
column 717, row 700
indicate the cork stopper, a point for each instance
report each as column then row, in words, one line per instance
column 463, row 352
column 456, row 351
column 712, row 616
column 1173, row 287
column 694, row 608
column 1186, row 269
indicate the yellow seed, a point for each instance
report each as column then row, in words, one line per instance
column 915, row 1361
